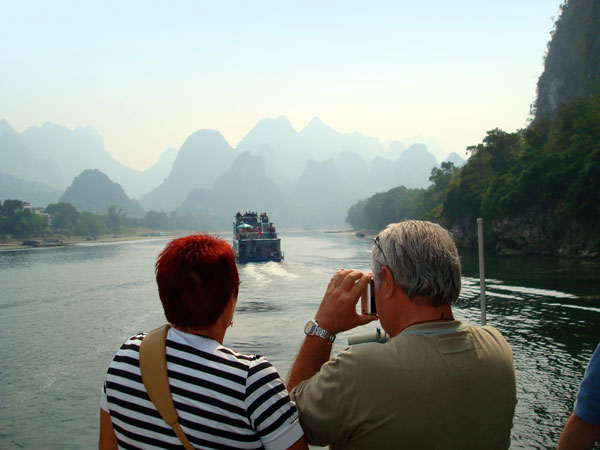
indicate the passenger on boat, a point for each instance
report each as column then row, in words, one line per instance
column 223, row 399
column 437, row 383
column 582, row 429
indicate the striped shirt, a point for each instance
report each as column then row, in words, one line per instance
column 224, row 399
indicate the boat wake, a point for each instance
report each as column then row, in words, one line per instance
column 265, row 272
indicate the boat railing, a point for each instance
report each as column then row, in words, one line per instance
column 256, row 235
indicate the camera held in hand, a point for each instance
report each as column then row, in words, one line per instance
column 368, row 300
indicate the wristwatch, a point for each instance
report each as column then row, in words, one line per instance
column 312, row 328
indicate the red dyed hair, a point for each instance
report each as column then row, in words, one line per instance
column 196, row 277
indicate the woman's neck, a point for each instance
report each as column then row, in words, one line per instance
column 212, row 332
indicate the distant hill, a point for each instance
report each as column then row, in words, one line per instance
column 322, row 199
column 395, row 149
column 158, row 172
column 456, row 159
column 17, row 160
column 432, row 145
column 360, row 165
column 37, row 194
column 202, row 158
column 353, row 171
column 73, row 150
column 6, row 128
column 93, row 191
column 279, row 144
column 244, row 186
column 411, row 169
column 287, row 151
column 324, row 143
column 64, row 153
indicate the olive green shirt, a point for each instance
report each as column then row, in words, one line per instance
column 436, row 385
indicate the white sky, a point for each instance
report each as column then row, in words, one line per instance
column 147, row 74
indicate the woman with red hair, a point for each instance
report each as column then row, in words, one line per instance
column 223, row 399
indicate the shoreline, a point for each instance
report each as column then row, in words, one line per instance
column 367, row 234
column 17, row 244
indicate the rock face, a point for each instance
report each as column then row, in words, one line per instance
column 93, row 191
column 534, row 232
column 572, row 65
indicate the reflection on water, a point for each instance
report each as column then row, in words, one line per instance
column 252, row 307
column 551, row 317
column 65, row 310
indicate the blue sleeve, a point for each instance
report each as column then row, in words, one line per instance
column 587, row 405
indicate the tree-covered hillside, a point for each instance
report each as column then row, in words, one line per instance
column 538, row 189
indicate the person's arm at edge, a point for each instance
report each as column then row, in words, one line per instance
column 578, row 434
column 108, row 438
column 336, row 313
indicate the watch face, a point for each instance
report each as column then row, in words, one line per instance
column 309, row 327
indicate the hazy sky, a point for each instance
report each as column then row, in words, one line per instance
column 147, row 74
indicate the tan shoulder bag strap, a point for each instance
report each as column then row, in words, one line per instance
column 153, row 367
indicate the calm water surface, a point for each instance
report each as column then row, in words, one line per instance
column 65, row 311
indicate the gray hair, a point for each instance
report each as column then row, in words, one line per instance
column 423, row 259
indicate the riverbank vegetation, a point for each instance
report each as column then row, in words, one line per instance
column 18, row 220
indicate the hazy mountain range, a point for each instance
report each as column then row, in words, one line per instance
column 54, row 155
column 307, row 177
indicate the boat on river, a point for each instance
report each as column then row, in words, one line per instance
column 255, row 238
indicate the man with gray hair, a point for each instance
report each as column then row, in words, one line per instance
column 437, row 383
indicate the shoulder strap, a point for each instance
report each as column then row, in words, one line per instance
column 153, row 367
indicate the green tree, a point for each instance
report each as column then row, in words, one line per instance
column 116, row 218
column 356, row 216
column 17, row 220
column 90, row 224
column 432, row 199
column 9, row 216
column 384, row 208
column 156, row 220
column 64, row 217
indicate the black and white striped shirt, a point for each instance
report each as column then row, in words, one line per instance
column 224, row 399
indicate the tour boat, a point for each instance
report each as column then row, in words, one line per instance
column 255, row 239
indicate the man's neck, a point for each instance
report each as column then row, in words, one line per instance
column 416, row 311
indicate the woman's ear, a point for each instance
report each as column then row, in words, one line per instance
column 232, row 302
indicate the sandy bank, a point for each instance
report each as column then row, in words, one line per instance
column 15, row 244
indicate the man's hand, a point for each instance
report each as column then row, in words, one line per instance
column 337, row 312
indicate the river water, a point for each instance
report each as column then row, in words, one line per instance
column 64, row 312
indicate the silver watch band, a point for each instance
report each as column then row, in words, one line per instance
column 312, row 328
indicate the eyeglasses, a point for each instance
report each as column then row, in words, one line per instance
column 376, row 240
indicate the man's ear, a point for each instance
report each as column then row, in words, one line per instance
column 387, row 285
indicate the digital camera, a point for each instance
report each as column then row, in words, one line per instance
column 368, row 299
